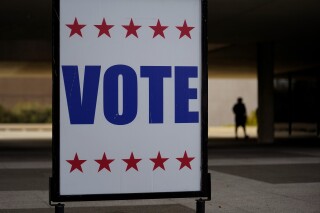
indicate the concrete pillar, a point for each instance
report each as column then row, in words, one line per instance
column 265, row 65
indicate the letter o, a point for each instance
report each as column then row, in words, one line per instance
column 111, row 94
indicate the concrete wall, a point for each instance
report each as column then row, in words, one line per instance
column 223, row 94
column 15, row 90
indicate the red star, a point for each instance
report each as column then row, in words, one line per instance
column 158, row 162
column 158, row 29
column 104, row 28
column 76, row 163
column 132, row 162
column 104, row 163
column 184, row 30
column 185, row 161
column 75, row 28
column 131, row 29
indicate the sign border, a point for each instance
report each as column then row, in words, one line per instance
column 54, row 188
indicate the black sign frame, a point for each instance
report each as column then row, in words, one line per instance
column 54, row 189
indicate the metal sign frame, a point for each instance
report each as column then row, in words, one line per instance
column 54, row 191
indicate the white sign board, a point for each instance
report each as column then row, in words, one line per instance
column 130, row 83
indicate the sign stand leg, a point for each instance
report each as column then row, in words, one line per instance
column 59, row 208
column 200, row 206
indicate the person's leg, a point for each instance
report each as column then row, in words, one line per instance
column 236, row 131
column 244, row 131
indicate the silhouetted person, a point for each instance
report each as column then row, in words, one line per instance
column 239, row 109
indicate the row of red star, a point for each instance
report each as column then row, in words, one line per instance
column 131, row 29
column 104, row 162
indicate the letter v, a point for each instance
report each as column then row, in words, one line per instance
column 81, row 110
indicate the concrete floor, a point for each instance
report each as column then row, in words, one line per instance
column 246, row 177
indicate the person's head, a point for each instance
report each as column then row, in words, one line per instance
column 239, row 100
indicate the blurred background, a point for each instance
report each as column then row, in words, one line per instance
column 265, row 51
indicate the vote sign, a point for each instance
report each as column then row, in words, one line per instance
column 129, row 84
